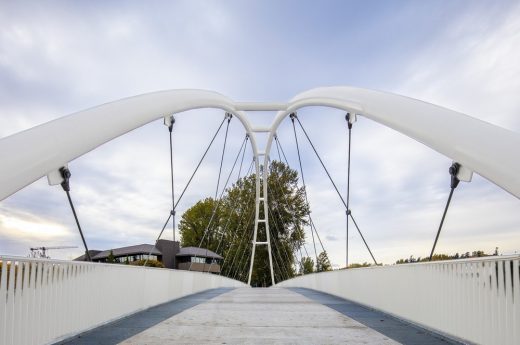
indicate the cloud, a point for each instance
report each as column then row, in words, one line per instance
column 57, row 59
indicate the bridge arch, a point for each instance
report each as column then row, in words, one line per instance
column 38, row 151
column 42, row 150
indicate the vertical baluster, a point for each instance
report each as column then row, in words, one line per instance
column 59, row 305
column 33, row 306
column 18, row 303
column 9, row 329
column 66, row 299
column 54, row 301
column 501, row 302
column 516, row 301
column 3, row 299
column 494, row 299
column 26, row 299
column 508, row 290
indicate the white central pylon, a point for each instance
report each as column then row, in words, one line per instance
column 261, row 195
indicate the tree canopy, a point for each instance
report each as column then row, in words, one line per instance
column 226, row 226
column 323, row 263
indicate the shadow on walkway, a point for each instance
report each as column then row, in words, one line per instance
column 392, row 327
column 120, row 330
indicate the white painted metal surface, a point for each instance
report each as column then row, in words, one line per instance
column 489, row 150
column 42, row 301
column 477, row 300
column 42, row 150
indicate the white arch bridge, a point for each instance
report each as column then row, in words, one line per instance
column 473, row 300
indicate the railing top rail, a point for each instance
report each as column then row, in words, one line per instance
column 438, row 262
column 7, row 258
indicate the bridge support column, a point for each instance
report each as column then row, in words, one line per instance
column 261, row 197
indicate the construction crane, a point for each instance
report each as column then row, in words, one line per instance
column 41, row 252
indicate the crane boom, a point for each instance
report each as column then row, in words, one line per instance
column 41, row 252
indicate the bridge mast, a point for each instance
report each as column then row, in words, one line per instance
column 261, row 198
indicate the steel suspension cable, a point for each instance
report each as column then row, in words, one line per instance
column 232, row 267
column 333, row 183
column 280, row 273
column 218, row 201
column 240, row 267
column 244, row 231
column 293, row 115
column 280, row 148
column 280, row 215
column 223, row 151
column 172, row 212
column 276, row 245
column 242, row 210
column 319, row 158
column 65, row 174
column 347, row 211
column 279, row 145
column 278, row 231
column 244, row 144
column 200, row 162
column 454, row 170
column 277, row 184
column 170, row 128
column 319, row 239
column 363, row 238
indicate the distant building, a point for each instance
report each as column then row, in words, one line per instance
column 168, row 252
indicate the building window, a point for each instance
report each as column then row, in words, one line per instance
column 198, row 260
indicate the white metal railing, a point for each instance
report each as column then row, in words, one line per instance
column 475, row 300
column 42, row 301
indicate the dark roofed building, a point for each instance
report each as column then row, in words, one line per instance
column 199, row 259
column 131, row 253
column 168, row 252
column 92, row 253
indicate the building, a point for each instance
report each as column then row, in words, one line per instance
column 168, row 252
column 200, row 259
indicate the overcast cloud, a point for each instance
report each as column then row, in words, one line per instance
column 60, row 57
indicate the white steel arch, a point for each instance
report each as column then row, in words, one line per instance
column 42, row 150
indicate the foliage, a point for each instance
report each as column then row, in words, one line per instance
column 195, row 221
column 323, row 263
column 230, row 225
column 440, row 257
column 110, row 258
column 307, row 265
column 150, row 263
column 358, row 265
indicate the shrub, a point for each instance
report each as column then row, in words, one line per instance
column 150, row 263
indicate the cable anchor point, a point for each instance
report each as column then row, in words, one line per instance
column 65, row 173
column 351, row 118
column 454, row 170
column 293, row 116
column 169, row 121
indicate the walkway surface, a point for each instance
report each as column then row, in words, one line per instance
column 259, row 316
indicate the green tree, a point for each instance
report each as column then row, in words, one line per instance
column 110, row 258
column 230, row 232
column 196, row 220
column 323, row 263
column 366, row 264
column 308, row 265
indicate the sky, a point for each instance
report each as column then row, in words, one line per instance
column 59, row 57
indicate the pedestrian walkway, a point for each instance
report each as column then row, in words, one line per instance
column 257, row 316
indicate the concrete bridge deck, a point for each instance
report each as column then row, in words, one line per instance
column 259, row 316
